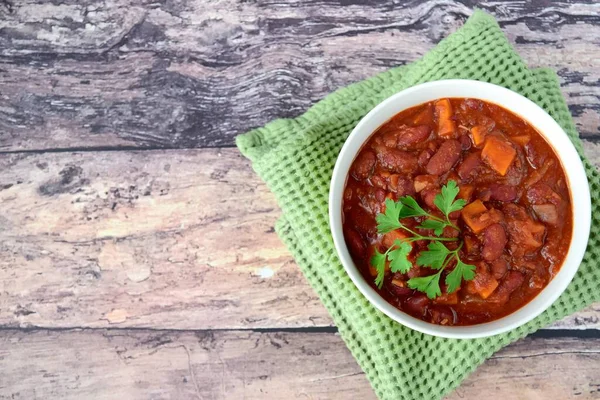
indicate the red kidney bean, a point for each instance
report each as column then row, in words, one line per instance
column 417, row 304
column 428, row 196
column 390, row 138
column 399, row 291
column 511, row 282
column 494, row 241
column 362, row 221
column 363, row 165
column 499, row 267
column 378, row 181
column 445, row 158
column 469, row 165
column 442, row 315
column 541, row 193
column 401, row 186
column 424, row 157
column 502, row 192
column 465, row 142
column 413, row 135
column 396, row 160
column 473, row 104
column 355, row 243
column 546, row 213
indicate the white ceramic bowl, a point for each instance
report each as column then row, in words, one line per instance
column 537, row 117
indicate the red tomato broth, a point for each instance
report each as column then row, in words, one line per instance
column 518, row 244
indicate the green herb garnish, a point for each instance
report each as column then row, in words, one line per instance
column 437, row 256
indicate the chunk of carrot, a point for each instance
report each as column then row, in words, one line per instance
column 447, row 298
column 488, row 288
column 478, row 133
column 521, row 140
column 472, row 213
column 498, row 154
column 446, row 126
column 465, row 192
column 484, row 283
column 390, row 237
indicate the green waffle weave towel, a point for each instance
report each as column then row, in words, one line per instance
column 295, row 157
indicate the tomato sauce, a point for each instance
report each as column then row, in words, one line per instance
column 516, row 227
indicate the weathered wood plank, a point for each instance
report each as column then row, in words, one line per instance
column 169, row 239
column 157, row 239
column 103, row 364
column 193, row 74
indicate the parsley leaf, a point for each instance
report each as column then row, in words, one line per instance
column 434, row 257
column 399, row 257
column 437, row 226
column 445, row 200
column 411, row 208
column 437, row 256
column 430, row 285
column 460, row 272
column 390, row 220
column 378, row 261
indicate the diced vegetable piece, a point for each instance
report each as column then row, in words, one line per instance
column 498, row 154
column 521, row 140
column 428, row 196
column 478, row 134
column 471, row 214
column 465, row 192
column 446, row 126
column 471, row 245
column 372, row 270
column 447, row 298
column 390, row 237
column 483, row 284
column 424, row 181
column 546, row 213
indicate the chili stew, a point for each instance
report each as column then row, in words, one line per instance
column 514, row 223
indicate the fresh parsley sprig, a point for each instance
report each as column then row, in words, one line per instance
column 437, row 256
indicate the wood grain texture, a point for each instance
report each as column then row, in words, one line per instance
column 193, row 73
column 108, row 364
column 177, row 239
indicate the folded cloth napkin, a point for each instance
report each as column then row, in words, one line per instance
column 295, row 157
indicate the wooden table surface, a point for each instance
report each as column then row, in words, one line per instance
column 138, row 258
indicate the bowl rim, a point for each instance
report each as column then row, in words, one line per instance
column 537, row 118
